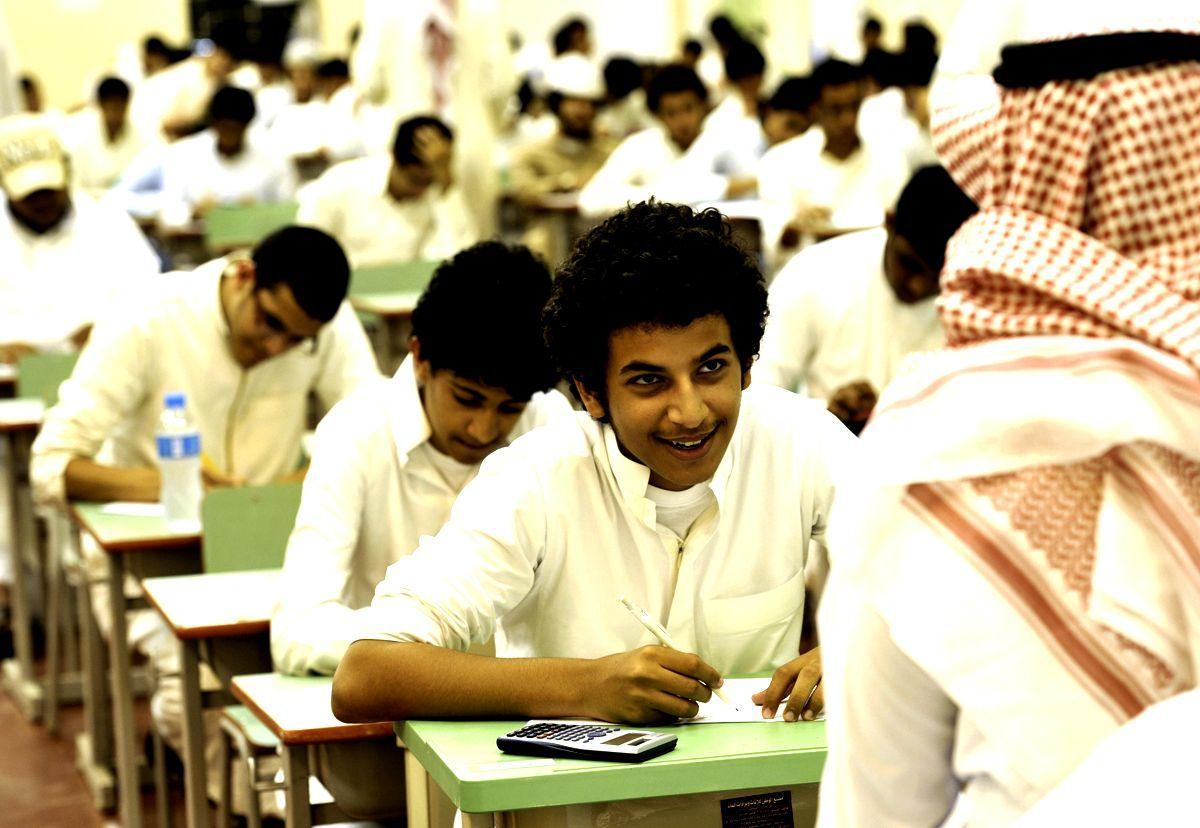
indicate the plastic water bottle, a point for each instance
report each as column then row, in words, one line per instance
column 179, row 463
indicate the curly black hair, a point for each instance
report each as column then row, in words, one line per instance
column 651, row 264
column 480, row 317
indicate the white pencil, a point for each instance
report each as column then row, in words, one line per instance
column 664, row 638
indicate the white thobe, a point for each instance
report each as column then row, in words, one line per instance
column 97, row 162
column 558, row 525
column 57, row 282
column 194, row 172
column 350, row 201
column 372, row 492
column 835, row 319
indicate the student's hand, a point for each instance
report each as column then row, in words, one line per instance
column 203, row 206
column 14, row 352
column 215, row 479
column 790, row 237
column 853, row 404
column 794, row 681
column 739, row 186
column 434, row 149
column 80, row 337
column 813, row 219
column 651, row 684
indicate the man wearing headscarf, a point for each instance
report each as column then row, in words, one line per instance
column 1018, row 572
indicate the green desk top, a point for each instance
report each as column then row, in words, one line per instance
column 235, row 225
column 387, row 303
column 118, row 533
column 463, row 759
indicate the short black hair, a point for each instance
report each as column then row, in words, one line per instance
column 920, row 39
column 621, row 76
column 111, row 89
column 692, row 47
column 231, row 103
column 794, row 94
column 480, row 317
column 404, row 150
column 651, row 264
column 310, row 262
column 28, row 84
column 724, row 31
column 154, row 45
column 336, row 68
column 566, row 32
column 872, row 25
column 671, row 79
column 915, row 69
column 834, row 72
column 883, row 66
column 744, row 60
column 229, row 37
column 929, row 211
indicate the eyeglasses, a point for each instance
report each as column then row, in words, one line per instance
column 277, row 327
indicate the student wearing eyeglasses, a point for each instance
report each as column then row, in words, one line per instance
column 247, row 339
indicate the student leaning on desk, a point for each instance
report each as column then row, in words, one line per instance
column 247, row 340
column 679, row 486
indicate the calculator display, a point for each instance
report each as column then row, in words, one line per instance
column 623, row 738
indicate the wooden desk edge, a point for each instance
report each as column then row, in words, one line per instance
column 119, row 547
column 314, row 736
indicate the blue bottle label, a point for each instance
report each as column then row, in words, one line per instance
column 178, row 446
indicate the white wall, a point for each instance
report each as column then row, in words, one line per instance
column 68, row 44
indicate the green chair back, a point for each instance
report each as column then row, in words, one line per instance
column 40, row 375
column 400, row 277
column 248, row 527
column 240, row 225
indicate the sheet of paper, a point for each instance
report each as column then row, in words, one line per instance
column 131, row 509
column 743, row 709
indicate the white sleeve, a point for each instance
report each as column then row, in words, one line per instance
column 108, row 383
column 890, row 728
column 453, row 228
column 779, row 202
column 621, row 180
column 312, row 628
column 284, row 182
column 453, row 588
column 347, row 358
column 318, row 206
column 792, row 336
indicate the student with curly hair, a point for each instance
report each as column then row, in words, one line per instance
column 677, row 487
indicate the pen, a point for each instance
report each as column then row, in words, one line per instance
column 664, row 638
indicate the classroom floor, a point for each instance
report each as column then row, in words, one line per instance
column 39, row 784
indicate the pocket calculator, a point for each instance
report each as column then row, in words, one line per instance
column 586, row 740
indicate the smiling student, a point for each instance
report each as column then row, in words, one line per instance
column 677, row 486
column 390, row 460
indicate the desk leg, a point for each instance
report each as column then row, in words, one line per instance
column 295, row 785
column 94, row 754
column 416, row 792
column 481, row 820
column 194, row 770
column 19, row 676
column 128, row 778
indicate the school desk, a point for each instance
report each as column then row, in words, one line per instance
column 145, row 546
column 732, row 760
column 223, row 619
column 297, row 710
column 19, row 422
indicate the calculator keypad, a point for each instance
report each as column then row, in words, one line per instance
column 563, row 732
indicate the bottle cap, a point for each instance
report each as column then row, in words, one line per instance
column 175, row 399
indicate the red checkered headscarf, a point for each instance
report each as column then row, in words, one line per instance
column 1089, row 222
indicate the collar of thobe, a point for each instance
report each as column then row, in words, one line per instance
column 406, row 414
column 633, row 478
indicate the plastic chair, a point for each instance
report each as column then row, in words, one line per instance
column 397, row 277
column 243, row 528
column 40, row 375
column 247, row 527
column 242, row 225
